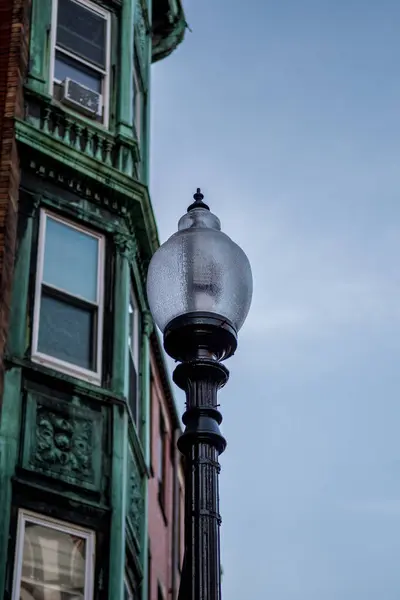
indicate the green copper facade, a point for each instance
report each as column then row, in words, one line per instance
column 74, row 441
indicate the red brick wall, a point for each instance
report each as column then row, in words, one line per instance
column 161, row 528
column 14, row 42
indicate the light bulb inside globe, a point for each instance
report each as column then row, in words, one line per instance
column 199, row 271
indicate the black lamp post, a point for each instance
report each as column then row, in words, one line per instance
column 199, row 289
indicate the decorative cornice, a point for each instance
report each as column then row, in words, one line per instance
column 168, row 31
column 126, row 245
column 90, row 179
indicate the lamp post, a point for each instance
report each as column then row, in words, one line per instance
column 199, row 288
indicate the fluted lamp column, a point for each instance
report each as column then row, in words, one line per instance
column 199, row 289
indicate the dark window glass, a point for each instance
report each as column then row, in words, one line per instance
column 161, row 445
column 66, row 331
column 149, row 577
column 82, row 32
column 161, row 460
column 65, row 66
column 127, row 594
column 133, row 343
column 179, row 528
column 133, row 390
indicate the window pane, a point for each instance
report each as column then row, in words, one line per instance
column 66, row 332
column 82, row 31
column 161, row 444
column 133, row 390
column 128, row 591
column 71, row 260
column 137, row 108
column 53, row 564
column 65, row 66
column 133, row 337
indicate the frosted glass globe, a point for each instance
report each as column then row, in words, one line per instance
column 199, row 269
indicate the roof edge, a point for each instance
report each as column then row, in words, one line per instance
column 168, row 31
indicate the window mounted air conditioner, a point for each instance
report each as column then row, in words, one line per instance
column 82, row 98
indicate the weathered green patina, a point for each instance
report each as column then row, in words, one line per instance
column 67, row 447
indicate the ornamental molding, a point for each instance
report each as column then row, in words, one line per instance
column 63, row 444
column 126, row 245
column 135, row 499
column 63, row 441
column 141, row 30
column 101, row 185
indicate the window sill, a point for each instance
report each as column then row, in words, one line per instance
column 70, row 384
column 66, row 369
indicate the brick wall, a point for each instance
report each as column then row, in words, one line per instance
column 14, row 43
column 161, row 520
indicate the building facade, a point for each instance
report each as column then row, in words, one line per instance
column 76, row 234
column 166, row 485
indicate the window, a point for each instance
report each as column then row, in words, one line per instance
column 133, row 357
column 81, row 49
column 53, row 560
column 128, row 590
column 180, row 515
column 68, row 313
column 162, row 460
column 149, row 574
column 160, row 592
column 138, row 102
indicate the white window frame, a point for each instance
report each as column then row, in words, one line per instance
column 25, row 516
column 104, row 72
column 50, row 361
column 134, row 353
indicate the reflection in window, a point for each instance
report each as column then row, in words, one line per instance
column 53, row 561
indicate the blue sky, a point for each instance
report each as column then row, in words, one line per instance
column 287, row 114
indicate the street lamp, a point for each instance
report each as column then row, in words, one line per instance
column 199, row 288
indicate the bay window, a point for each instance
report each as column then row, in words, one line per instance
column 81, row 56
column 53, row 560
column 68, row 312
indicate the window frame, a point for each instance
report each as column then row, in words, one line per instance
column 106, row 73
column 138, row 101
column 48, row 360
column 26, row 516
column 133, row 354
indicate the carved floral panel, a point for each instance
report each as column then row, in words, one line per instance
column 63, row 441
column 135, row 500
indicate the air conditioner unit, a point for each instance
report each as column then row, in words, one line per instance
column 82, row 98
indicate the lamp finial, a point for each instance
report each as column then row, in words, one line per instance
column 198, row 201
